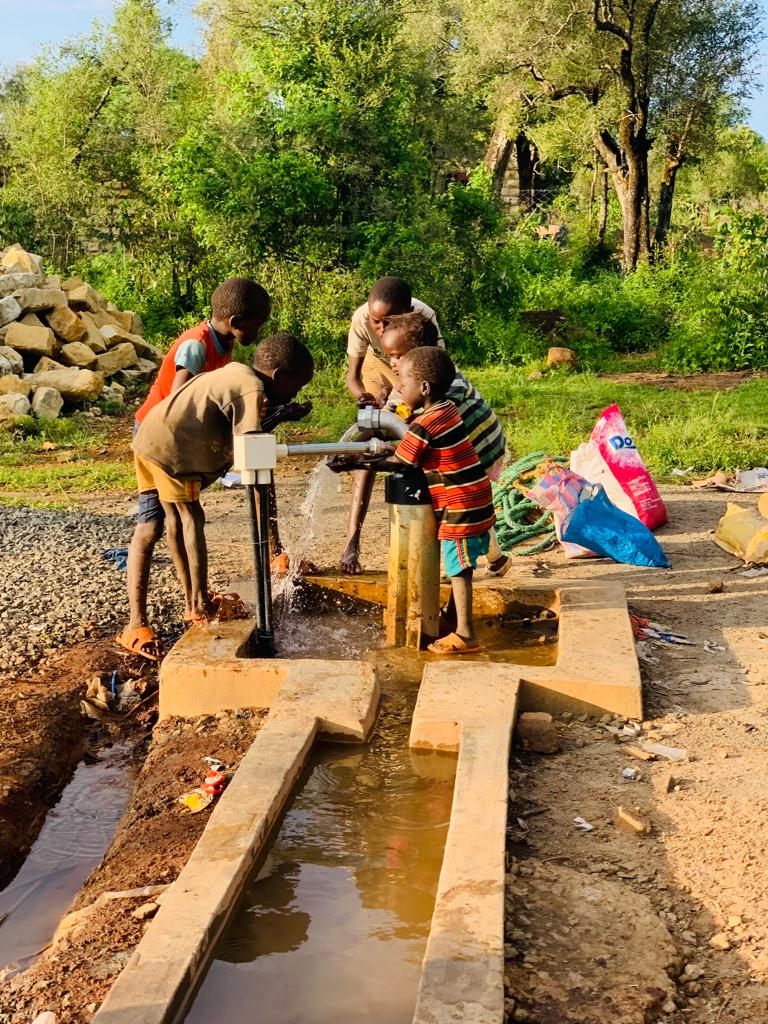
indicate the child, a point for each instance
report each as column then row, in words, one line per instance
column 185, row 443
column 240, row 308
column 402, row 335
column 371, row 381
column 438, row 443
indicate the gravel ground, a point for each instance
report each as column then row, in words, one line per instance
column 56, row 588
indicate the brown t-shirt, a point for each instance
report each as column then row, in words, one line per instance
column 190, row 432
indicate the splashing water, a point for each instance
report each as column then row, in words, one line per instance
column 322, row 488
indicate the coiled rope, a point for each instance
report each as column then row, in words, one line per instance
column 518, row 519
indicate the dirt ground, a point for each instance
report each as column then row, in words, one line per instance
column 603, row 925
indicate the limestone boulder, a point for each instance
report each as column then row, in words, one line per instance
column 114, row 392
column 117, row 336
column 93, row 338
column 47, row 403
column 38, row 300
column 71, row 283
column 74, row 385
column 13, row 405
column 32, row 320
column 144, row 370
column 53, row 281
column 11, row 384
column 76, row 353
column 10, row 283
column 9, row 310
column 11, row 358
column 31, row 341
column 66, row 323
column 120, row 357
column 16, row 259
column 537, row 732
column 85, row 297
column 46, row 364
column 102, row 318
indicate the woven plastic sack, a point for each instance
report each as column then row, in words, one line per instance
column 598, row 525
column 559, row 491
column 611, row 459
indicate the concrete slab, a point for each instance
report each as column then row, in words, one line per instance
column 160, row 980
column 208, row 671
column 463, row 972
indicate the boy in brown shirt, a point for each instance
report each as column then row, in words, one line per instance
column 185, row 443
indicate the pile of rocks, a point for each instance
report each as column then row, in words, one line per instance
column 61, row 341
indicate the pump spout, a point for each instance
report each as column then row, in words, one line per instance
column 381, row 422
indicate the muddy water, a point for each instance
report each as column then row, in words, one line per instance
column 333, row 928
column 74, row 838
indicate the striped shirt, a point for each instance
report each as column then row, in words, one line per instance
column 438, row 443
column 481, row 422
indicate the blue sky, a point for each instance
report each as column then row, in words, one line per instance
column 26, row 27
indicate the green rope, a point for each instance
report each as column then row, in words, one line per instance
column 518, row 519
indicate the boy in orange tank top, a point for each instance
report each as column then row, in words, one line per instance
column 239, row 309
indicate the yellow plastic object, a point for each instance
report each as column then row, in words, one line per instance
column 195, row 801
column 744, row 533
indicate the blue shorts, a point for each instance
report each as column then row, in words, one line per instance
column 459, row 555
column 150, row 508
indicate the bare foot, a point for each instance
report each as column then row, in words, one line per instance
column 350, row 560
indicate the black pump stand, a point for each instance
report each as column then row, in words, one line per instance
column 265, row 641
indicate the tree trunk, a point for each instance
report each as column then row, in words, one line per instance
column 497, row 157
column 602, row 213
column 666, row 197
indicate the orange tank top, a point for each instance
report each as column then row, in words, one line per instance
column 214, row 358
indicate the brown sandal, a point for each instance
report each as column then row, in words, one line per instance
column 453, row 645
column 142, row 641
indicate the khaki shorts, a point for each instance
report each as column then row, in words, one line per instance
column 170, row 489
column 376, row 372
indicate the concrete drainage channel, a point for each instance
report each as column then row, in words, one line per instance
column 591, row 667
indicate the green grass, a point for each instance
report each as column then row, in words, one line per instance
column 705, row 429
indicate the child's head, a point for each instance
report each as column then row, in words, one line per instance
column 426, row 374
column 240, row 307
column 285, row 365
column 404, row 332
column 389, row 296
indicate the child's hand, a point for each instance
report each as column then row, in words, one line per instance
column 294, row 411
column 344, row 463
column 384, row 393
column 367, row 399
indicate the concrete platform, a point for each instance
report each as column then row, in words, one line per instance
column 463, row 971
column 159, row 982
column 208, row 671
column 596, row 668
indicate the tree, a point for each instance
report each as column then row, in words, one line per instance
column 612, row 62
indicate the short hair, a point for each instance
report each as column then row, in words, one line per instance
column 434, row 366
column 240, row 296
column 284, row 352
column 419, row 331
column 393, row 292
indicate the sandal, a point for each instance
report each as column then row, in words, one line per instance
column 503, row 569
column 142, row 641
column 453, row 645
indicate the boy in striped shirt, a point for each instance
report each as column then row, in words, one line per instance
column 411, row 330
column 437, row 442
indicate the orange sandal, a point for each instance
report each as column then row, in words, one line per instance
column 142, row 641
column 453, row 645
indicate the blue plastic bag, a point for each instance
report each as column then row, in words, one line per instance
column 598, row 525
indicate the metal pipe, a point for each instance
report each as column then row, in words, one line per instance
column 331, row 448
column 381, row 421
column 267, row 635
column 256, row 550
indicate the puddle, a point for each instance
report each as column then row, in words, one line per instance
column 71, row 843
